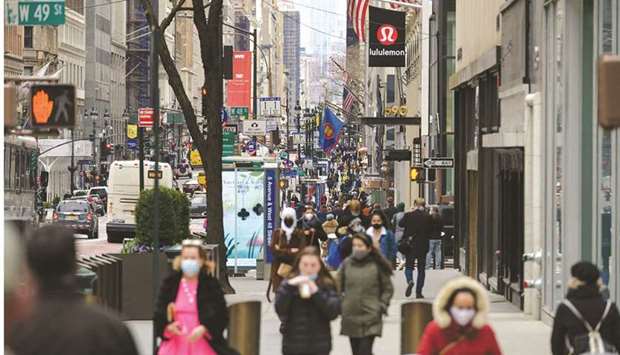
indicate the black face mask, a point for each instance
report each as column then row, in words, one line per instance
column 288, row 222
column 377, row 226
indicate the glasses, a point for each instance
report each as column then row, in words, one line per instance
column 192, row 243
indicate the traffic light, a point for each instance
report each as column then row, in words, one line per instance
column 416, row 174
column 431, row 174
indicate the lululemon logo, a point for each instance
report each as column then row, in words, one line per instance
column 387, row 34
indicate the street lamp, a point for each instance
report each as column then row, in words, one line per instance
column 94, row 116
column 298, row 117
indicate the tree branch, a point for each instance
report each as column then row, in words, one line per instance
column 168, row 20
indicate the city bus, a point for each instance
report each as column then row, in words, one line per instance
column 20, row 178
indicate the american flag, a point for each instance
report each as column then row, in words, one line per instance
column 347, row 100
column 357, row 13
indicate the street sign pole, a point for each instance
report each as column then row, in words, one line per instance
column 154, row 67
column 141, row 156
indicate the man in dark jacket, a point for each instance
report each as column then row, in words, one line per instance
column 418, row 227
column 62, row 323
column 585, row 296
column 390, row 210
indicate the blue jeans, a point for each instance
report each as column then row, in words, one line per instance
column 409, row 263
column 434, row 252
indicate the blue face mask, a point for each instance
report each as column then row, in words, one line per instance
column 190, row 267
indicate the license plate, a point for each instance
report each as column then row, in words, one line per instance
column 71, row 218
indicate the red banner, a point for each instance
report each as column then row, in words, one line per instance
column 239, row 89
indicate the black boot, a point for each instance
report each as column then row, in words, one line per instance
column 409, row 289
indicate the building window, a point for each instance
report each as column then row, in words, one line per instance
column 27, row 36
column 28, row 70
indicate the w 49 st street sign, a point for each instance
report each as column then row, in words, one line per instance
column 39, row 12
column 439, row 163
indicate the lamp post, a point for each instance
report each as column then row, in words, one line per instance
column 104, row 134
column 298, row 117
column 125, row 117
column 94, row 116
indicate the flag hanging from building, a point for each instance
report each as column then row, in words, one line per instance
column 357, row 14
column 347, row 100
column 330, row 130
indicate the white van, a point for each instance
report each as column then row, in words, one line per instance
column 123, row 194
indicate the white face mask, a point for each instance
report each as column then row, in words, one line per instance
column 308, row 216
column 462, row 316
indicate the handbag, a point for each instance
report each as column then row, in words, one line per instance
column 405, row 245
column 284, row 270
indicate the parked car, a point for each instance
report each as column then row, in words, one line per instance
column 198, row 206
column 102, row 193
column 190, row 186
column 80, row 192
column 79, row 216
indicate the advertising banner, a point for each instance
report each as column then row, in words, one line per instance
column 387, row 38
column 239, row 89
column 270, row 212
column 243, row 202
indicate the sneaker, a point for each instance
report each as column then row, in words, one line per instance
column 419, row 296
column 409, row 289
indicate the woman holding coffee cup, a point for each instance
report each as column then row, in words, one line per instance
column 306, row 303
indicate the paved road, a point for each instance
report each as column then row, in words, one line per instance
column 89, row 247
column 510, row 325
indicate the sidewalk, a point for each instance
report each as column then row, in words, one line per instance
column 516, row 333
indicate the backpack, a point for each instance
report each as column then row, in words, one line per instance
column 591, row 343
column 333, row 253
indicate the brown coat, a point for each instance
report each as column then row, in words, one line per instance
column 281, row 250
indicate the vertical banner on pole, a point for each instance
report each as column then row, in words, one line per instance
column 270, row 212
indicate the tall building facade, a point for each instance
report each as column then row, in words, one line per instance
column 291, row 54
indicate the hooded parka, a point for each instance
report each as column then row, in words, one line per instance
column 444, row 334
column 283, row 241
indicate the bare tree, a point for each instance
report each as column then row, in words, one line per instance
column 210, row 36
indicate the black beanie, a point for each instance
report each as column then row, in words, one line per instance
column 586, row 272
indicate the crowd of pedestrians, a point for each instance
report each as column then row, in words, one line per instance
column 338, row 262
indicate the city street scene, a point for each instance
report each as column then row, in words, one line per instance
column 311, row 177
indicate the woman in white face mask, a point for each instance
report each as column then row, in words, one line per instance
column 191, row 314
column 460, row 321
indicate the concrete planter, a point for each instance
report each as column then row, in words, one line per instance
column 137, row 284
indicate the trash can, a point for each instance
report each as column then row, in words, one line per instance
column 86, row 282
column 244, row 327
column 414, row 318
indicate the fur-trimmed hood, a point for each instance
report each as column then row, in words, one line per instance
column 443, row 318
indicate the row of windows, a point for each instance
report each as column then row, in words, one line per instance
column 13, row 40
column 72, row 35
column 73, row 74
column 17, row 169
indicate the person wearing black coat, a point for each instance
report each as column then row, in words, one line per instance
column 212, row 309
column 418, row 227
column 306, row 303
column 584, row 294
column 61, row 322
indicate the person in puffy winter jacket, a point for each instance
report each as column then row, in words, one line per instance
column 460, row 321
column 584, row 294
column 306, row 303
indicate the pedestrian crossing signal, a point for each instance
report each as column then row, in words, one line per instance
column 416, row 174
column 52, row 106
column 283, row 184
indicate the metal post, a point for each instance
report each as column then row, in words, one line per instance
column 72, row 168
column 141, row 156
column 154, row 68
column 236, row 229
column 255, row 72
column 94, row 146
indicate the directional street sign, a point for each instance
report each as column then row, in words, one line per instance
column 439, row 163
column 229, row 132
column 34, row 13
column 239, row 113
column 132, row 143
column 53, row 105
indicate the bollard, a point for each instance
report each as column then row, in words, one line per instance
column 86, row 282
column 414, row 318
column 244, row 327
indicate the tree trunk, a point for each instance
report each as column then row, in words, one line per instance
column 210, row 35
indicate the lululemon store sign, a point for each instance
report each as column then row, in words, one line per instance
column 387, row 38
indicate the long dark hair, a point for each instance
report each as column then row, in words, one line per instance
column 381, row 214
column 324, row 277
column 375, row 254
column 456, row 292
